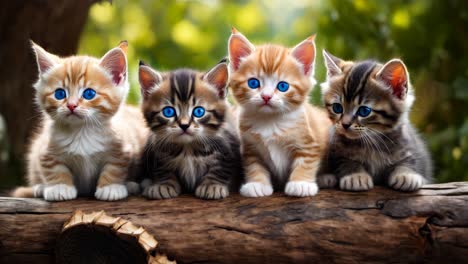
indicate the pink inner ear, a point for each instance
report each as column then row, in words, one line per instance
column 305, row 54
column 238, row 49
column 116, row 77
column 398, row 82
column 115, row 63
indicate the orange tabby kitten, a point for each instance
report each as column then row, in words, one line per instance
column 283, row 137
column 87, row 137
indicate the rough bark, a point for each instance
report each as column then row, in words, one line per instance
column 56, row 26
column 380, row 226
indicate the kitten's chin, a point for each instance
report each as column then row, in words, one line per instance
column 185, row 138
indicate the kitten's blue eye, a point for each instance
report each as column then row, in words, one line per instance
column 282, row 86
column 89, row 94
column 364, row 111
column 199, row 111
column 168, row 111
column 60, row 94
column 337, row 108
column 253, row 83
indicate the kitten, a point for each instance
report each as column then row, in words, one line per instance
column 372, row 141
column 87, row 137
column 283, row 137
column 194, row 146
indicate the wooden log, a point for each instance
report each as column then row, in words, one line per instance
column 380, row 226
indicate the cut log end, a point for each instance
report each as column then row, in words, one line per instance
column 100, row 238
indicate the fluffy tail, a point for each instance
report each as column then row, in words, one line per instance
column 28, row 192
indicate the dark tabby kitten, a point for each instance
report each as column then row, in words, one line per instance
column 372, row 140
column 194, row 146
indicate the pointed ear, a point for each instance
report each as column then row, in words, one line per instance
column 239, row 47
column 304, row 52
column 45, row 61
column 218, row 76
column 149, row 79
column 332, row 63
column 395, row 75
column 115, row 63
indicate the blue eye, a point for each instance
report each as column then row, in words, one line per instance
column 60, row 94
column 199, row 111
column 168, row 111
column 89, row 94
column 337, row 108
column 364, row 111
column 282, row 86
column 253, row 83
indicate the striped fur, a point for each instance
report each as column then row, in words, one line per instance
column 382, row 148
column 204, row 158
column 282, row 140
column 87, row 151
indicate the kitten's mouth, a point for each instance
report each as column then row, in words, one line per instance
column 74, row 114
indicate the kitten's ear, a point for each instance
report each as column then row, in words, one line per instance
column 239, row 47
column 123, row 45
column 149, row 79
column 304, row 52
column 218, row 77
column 332, row 63
column 115, row 63
column 395, row 75
column 45, row 61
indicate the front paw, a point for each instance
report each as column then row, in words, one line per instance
column 326, row 181
column 360, row 181
column 162, row 191
column 212, row 191
column 256, row 189
column 60, row 192
column 406, row 179
column 301, row 188
column 111, row 192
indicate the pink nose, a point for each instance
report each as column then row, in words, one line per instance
column 71, row 107
column 266, row 98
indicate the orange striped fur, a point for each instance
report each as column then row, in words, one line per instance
column 283, row 138
column 88, row 150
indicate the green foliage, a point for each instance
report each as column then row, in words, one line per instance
column 430, row 36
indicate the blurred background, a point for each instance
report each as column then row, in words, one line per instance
column 430, row 36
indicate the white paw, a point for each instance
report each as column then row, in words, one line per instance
column 38, row 190
column 60, row 192
column 256, row 189
column 162, row 191
column 111, row 192
column 301, row 188
column 212, row 191
column 405, row 179
column 326, row 181
column 360, row 181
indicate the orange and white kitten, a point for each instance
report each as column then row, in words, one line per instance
column 283, row 137
column 87, row 137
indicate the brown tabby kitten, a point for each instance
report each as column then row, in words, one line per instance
column 194, row 146
column 373, row 141
column 283, row 137
column 87, row 137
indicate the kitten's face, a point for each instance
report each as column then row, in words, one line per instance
column 270, row 79
column 366, row 99
column 184, row 105
column 81, row 90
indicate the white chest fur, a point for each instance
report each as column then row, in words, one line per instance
column 83, row 151
column 276, row 142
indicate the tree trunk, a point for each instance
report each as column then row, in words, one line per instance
column 56, row 26
column 333, row 227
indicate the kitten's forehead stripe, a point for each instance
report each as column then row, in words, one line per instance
column 357, row 78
